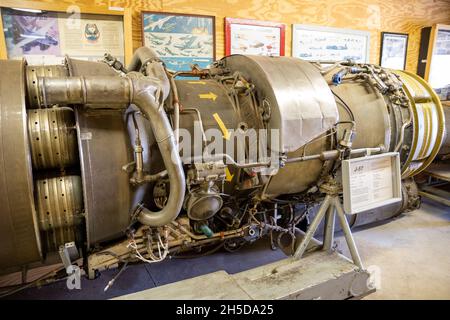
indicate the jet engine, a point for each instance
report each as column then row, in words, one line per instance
column 141, row 163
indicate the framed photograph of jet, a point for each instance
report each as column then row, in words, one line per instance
column 244, row 36
column 180, row 40
column 326, row 44
column 45, row 37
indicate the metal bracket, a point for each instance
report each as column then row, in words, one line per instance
column 68, row 253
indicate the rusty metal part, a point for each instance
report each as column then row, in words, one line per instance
column 32, row 74
column 59, row 206
column 19, row 238
column 53, row 138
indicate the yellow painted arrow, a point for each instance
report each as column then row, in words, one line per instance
column 229, row 176
column 209, row 95
column 226, row 134
column 196, row 82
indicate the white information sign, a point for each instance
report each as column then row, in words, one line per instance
column 371, row 182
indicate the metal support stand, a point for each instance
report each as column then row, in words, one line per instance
column 330, row 206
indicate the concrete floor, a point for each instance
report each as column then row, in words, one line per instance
column 411, row 252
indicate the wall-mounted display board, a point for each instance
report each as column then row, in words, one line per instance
column 394, row 47
column 434, row 59
column 319, row 43
column 244, row 36
column 180, row 40
column 45, row 37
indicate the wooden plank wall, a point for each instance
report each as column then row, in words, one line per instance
column 407, row 16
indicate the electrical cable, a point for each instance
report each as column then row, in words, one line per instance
column 347, row 108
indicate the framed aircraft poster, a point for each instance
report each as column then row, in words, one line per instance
column 180, row 40
column 320, row 43
column 45, row 37
column 244, row 36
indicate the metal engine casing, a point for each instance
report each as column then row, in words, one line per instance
column 73, row 184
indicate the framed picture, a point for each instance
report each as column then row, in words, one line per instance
column 180, row 40
column 393, row 50
column 243, row 36
column 44, row 37
column 319, row 43
column 434, row 59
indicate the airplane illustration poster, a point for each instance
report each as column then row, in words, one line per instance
column 254, row 37
column 28, row 34
column 180, row 40
column 44, row 38
column 330, row 44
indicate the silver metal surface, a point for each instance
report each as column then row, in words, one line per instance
column 371, row 114
column 302, row 106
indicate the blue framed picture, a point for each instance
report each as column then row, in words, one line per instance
column 180, row 40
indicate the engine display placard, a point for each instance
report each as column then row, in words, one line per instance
column 370, row 182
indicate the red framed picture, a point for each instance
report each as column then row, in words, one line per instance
column 254, row 37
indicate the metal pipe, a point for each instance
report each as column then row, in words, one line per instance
column 148, row 178
column 145, row 93
column 176, row 109
column 229, row 161
column 334, row 154
column 402, row 134
column 138, row 154
column 100, row 91
column 146, row 60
